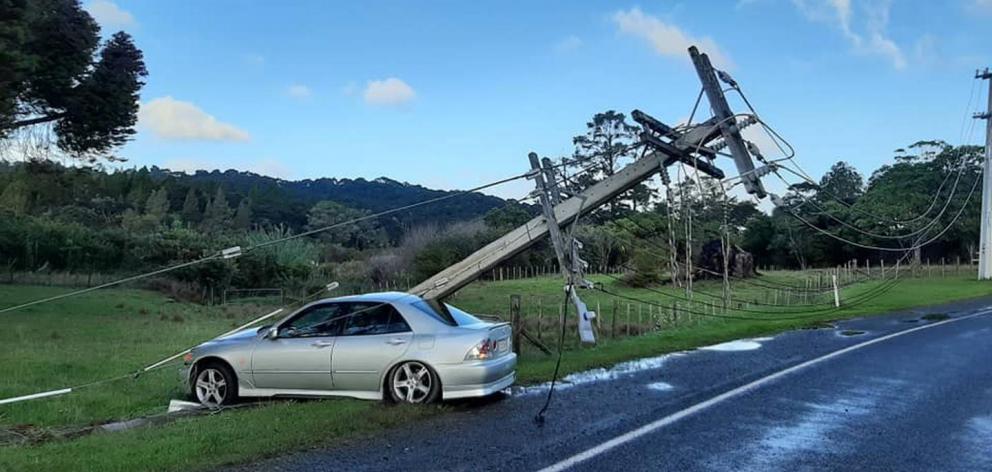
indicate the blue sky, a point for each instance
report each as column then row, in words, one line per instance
column 455, row 94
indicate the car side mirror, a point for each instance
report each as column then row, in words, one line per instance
column 271, row 333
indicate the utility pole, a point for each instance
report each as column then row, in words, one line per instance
column 985, row 241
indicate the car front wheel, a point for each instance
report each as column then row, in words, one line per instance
column 414, row 382
column 215, row 386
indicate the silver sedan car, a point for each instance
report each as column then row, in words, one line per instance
column 392, row 345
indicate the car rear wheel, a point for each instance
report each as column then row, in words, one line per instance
column 414, row 382
column 215, row 385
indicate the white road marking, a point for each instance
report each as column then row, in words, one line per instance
column 661, row 423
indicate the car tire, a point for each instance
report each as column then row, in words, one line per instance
column 215, row 385
column 413, row 382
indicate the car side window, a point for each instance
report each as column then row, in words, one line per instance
column 319, row 320
column 374, row 318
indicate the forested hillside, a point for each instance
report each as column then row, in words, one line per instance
column 84, row 219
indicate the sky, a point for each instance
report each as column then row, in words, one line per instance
column 453, row 94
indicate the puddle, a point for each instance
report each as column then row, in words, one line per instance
column 852, row 332
column 660, row 386
column 935, row 317
column 914, row 320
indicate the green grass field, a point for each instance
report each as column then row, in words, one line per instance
column 114, row 332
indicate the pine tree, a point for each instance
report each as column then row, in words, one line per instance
column 191, row 208
column 242, row 218
column 217, row 215
column 157, row 205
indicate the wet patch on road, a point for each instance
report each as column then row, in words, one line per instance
column 935, row 317
column 598, row 375
column 737, row 345
column 852, row 332
column 660, row 386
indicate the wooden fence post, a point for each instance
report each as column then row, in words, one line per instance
column 515, row 321
column 613, row 319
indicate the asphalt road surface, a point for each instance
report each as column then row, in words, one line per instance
column 894, row 392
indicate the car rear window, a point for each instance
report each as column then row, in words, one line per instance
column 450, row 316
column 427, row 309
column 462, row 318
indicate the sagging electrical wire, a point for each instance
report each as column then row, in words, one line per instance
column 915, row 246
column 845, row 240
column 779, row 140
column 935, row 220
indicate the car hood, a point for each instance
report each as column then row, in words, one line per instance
column 237, row 336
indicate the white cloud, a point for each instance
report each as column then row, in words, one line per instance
column 169, row 118
column 109, row 15
column 270, row 167
column 667, row 39
column 568, row 44
column 870, row 38
column 299, row 91
column 388, row 92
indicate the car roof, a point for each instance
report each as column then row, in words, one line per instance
column 380, row 297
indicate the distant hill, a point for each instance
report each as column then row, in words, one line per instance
column 377, row 195
column 91, row 195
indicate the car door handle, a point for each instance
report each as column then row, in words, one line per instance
column 396, row 341
column 319, row 344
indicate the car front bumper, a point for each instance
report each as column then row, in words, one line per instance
column 477, row 379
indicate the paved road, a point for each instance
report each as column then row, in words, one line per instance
column 917, row 401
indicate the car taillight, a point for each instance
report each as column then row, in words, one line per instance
column 188, row 357
column 482, row 351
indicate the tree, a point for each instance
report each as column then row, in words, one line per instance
column 157, row 205
column 51, row 73
column 598, row 153
column 361, row 235
column 218, row 213
column 16, row 197
column 242, row 217
column 507, row 217
column 842, row 182
column 191, row 207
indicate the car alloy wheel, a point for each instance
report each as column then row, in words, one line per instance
column 212, row 387
column 413, row 382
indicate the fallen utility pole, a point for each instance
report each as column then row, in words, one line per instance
column 985, row 239
column 667, row 146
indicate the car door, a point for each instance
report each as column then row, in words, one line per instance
column 299, row 357
column 374, row 336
